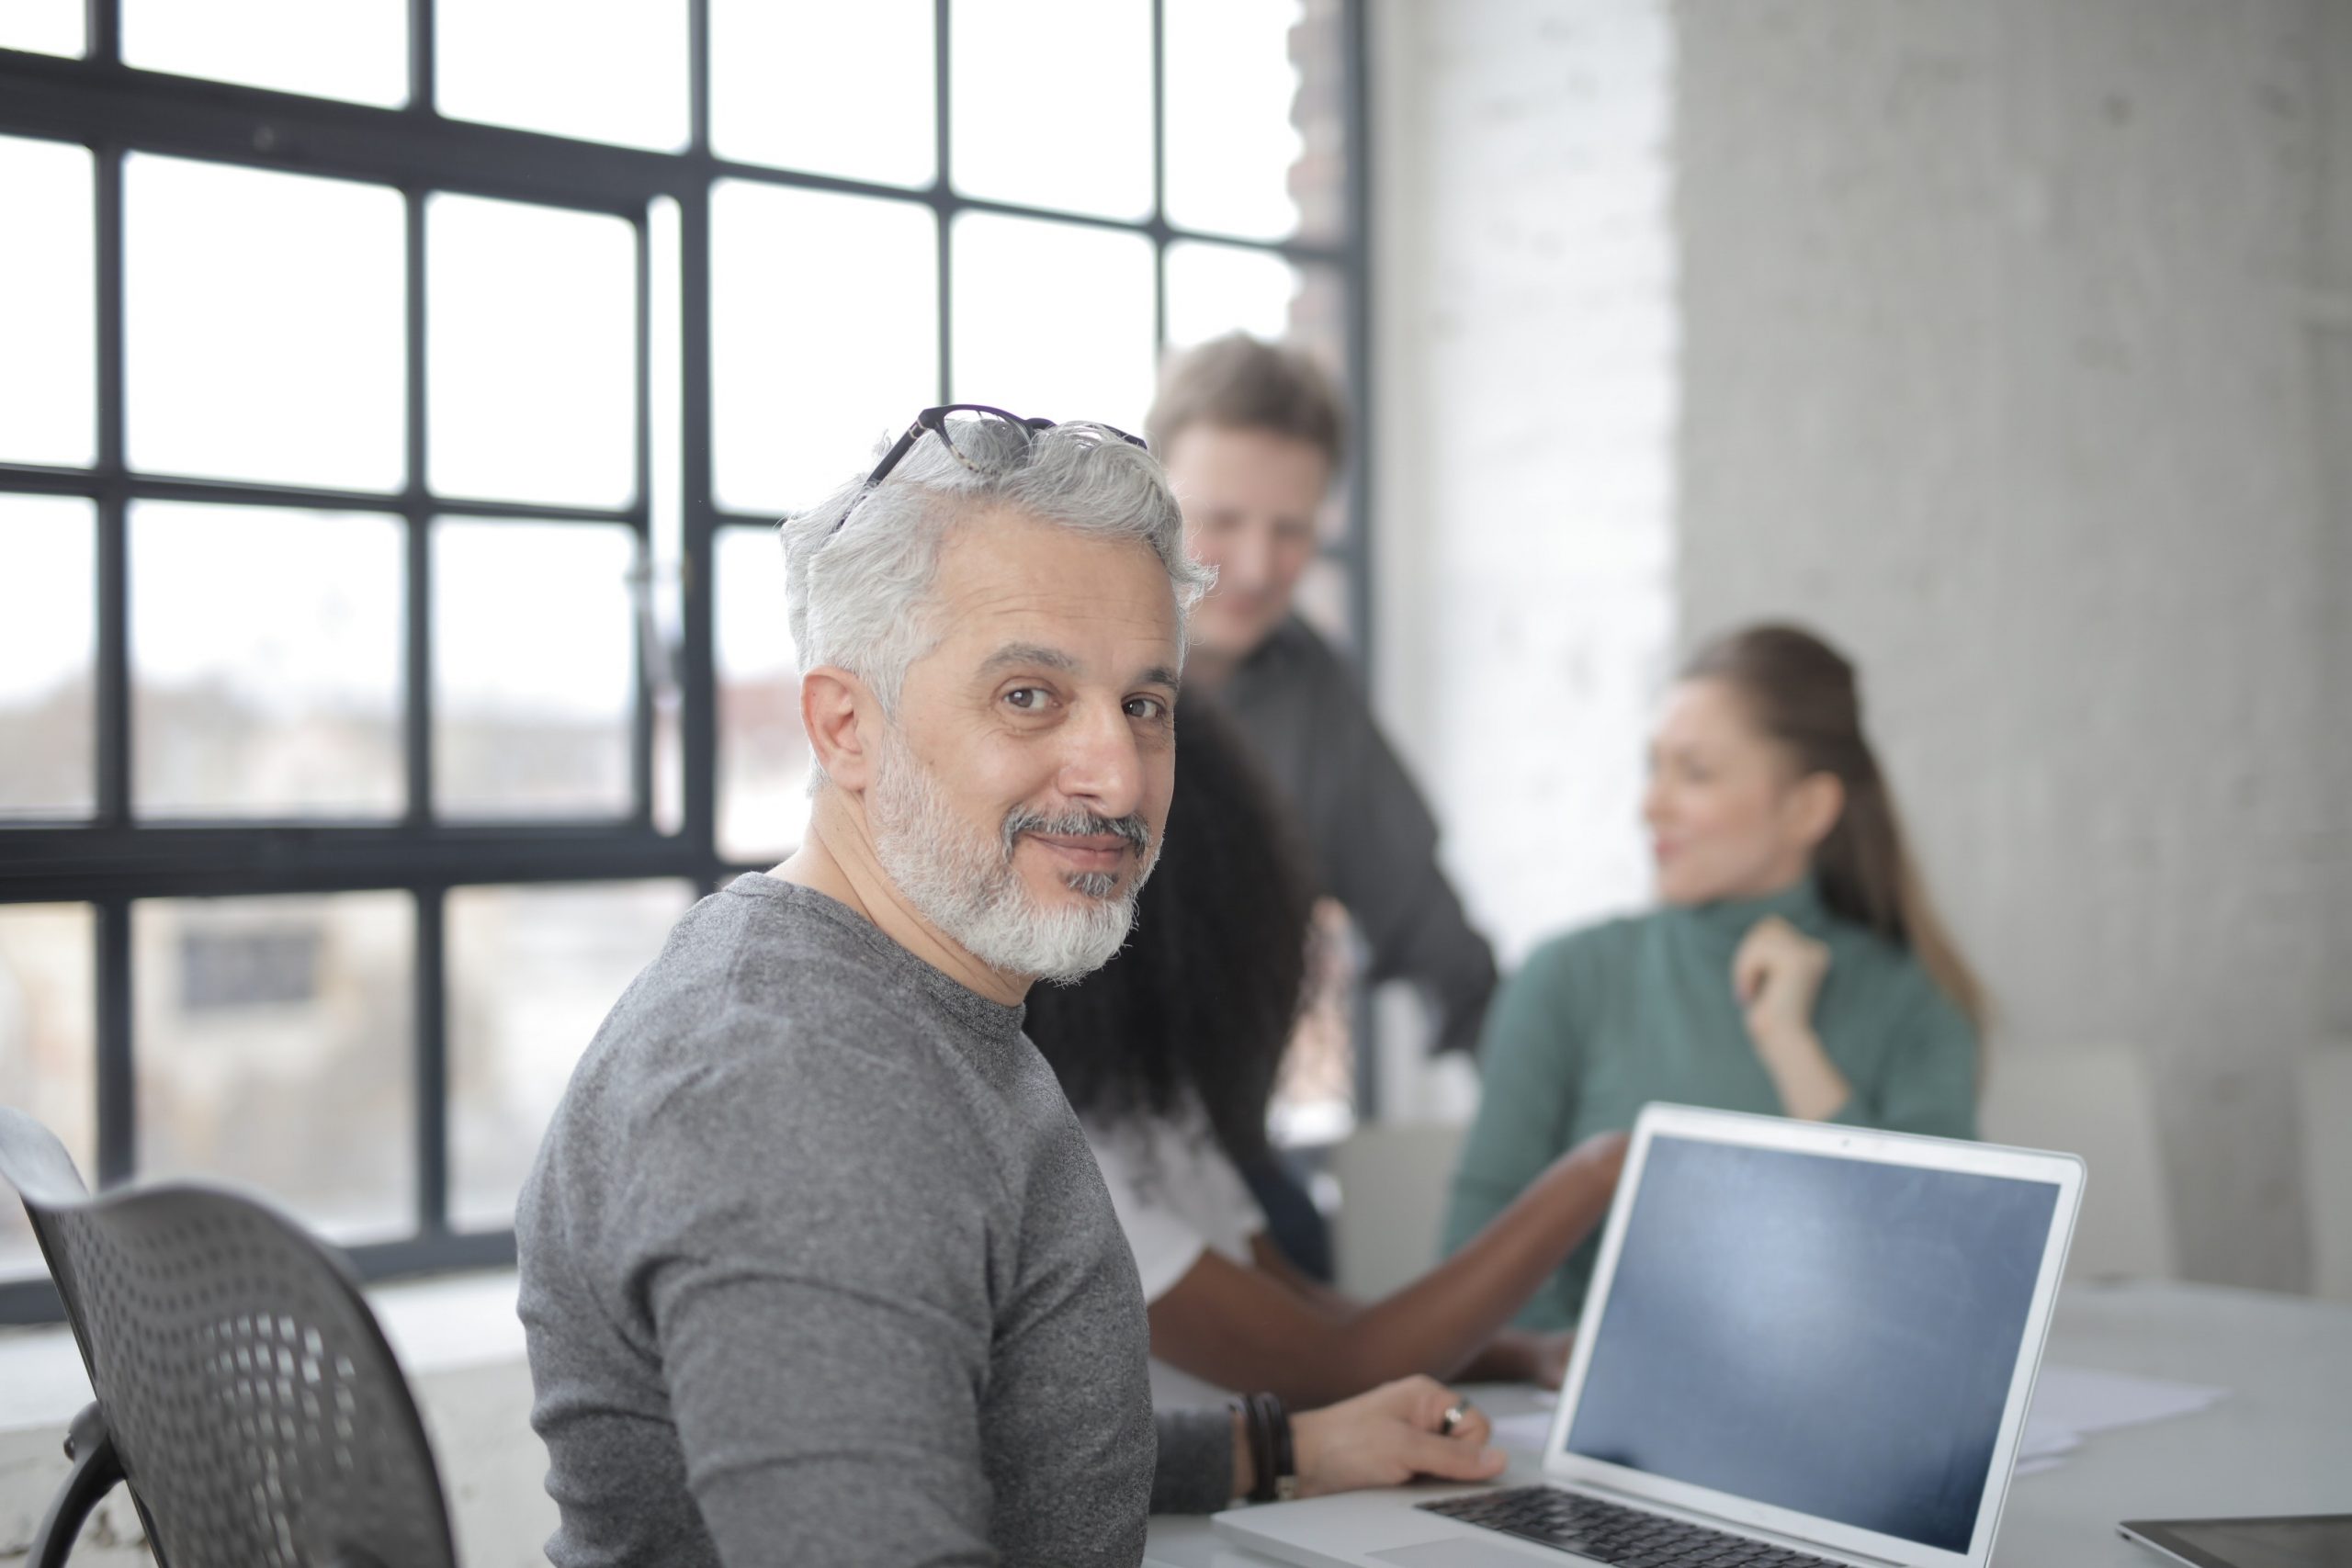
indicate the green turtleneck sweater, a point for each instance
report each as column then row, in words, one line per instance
column 1603, row 1020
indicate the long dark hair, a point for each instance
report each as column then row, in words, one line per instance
column 1802, row 693
column 1204, row 996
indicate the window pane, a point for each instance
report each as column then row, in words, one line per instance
column 48, row 630
column 815, row 84
column 531, row 322
column 1053, row 319
column 825, row 312
column 1233, row 97
column 532, row 693
column 762, row 754
column 1052, row 103
column 43, row 27
column 264, row 325
column 1214, row 290
column 532, row 973
column 47, row 311
column 615, row 73
column 48, row 1057
column 264, row 661
column 353, row 49
column 274, row 1047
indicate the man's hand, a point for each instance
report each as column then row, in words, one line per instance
column 1389, row 1436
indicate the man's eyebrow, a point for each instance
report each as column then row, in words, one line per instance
column 1038, row 656
column 1034, row 655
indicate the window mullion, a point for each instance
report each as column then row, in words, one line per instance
column 117, row 1078
column 113, row 692
column 417, row 708
column 432, row 1062
column 642, row 599
column 698, row 727
column 421, row 89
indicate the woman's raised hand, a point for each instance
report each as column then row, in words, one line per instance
column 1777, row 975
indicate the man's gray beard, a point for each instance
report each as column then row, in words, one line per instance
column 965, row 884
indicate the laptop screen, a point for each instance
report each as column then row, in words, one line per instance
column 1832, row 1336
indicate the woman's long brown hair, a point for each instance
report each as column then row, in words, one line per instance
column 1803, row 694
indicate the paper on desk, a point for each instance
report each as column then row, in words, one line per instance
column 2071, row 1403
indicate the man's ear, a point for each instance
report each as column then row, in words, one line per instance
column 1818, row 801
column 834, row 706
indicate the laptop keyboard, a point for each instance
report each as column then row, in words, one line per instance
column 1627, row 1538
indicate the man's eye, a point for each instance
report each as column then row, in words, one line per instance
column 1028, row 699
column 1148, row 708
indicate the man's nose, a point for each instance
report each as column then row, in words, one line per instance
column 1247, row 562
column 1104, row 767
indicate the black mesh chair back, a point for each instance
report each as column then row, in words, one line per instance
column 245, row 1391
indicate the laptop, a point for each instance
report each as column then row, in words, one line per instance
column 1801, row 1344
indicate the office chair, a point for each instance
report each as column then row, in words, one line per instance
column 245, row 1394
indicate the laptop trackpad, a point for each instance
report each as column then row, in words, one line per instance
column 1469, row 1551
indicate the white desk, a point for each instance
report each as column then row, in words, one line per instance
column 2281, row 1443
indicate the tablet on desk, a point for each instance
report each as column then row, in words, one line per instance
column 2308, row 1541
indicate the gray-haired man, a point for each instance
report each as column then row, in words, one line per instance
column 816, row 1264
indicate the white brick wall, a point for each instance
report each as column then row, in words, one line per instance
column 1525, row 321
column 2333, row 318
column 1999, row 368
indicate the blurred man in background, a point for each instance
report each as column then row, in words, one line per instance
column 1252, row 435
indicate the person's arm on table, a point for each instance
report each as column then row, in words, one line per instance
column 1240, row 1327
column 1512, row 1355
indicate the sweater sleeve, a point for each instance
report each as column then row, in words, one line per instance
column 1532, row 1060
column 804, row 1354
column 1928, row 1083
column 1389, row 878
column 1196, row 1471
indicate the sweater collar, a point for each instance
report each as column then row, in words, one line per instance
column 1729, row 919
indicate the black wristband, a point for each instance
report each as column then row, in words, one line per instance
column 1270, row 1460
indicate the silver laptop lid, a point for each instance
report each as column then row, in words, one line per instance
column 1820, row 1331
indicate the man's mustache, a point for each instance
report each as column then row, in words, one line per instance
column 1077, row 824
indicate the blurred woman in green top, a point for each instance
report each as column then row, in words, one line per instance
column 1796, row 969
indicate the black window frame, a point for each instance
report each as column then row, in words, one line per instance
column 110, row 861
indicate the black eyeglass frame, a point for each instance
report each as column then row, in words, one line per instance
column 934, row 420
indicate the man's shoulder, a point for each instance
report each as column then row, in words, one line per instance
column 1295, row 652
column 765, row 1008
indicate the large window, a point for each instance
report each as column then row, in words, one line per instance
column 397, row 401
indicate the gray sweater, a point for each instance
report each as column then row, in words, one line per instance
column 816, row 1267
